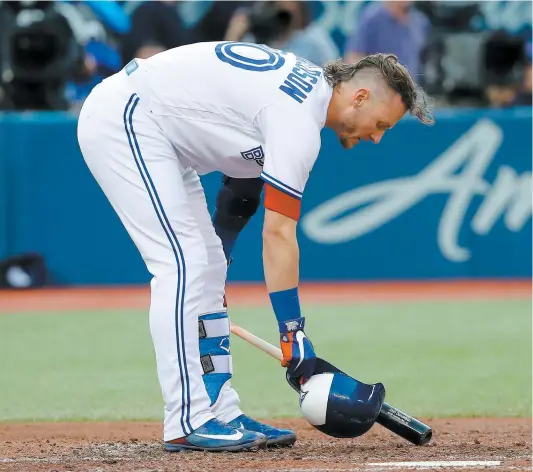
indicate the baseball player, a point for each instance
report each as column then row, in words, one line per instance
column 248, row 111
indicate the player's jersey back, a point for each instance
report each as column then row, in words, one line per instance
column 217, row 103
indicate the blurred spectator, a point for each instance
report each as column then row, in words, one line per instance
column 446, row 16
column 53, row 53
column 41, row 53
column 527, row 88
column 213, row 26
column 390, row 27
column 283, row 25
column 503, row 95
column 507, row 70
column 98, row 27
column 155, row 27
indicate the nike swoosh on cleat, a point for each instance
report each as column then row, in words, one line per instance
column 226, row 437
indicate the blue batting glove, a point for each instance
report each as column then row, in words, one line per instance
column 298, row 353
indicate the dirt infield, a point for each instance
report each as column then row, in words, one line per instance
column 137, row 297
column 136, row 447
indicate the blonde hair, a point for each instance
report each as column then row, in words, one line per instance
column 394, row 74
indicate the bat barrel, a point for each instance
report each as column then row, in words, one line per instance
column 404, row 425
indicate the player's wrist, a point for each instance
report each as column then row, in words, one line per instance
column 286, row 306
column 291, row 326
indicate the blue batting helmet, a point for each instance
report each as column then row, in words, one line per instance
column 339, row 405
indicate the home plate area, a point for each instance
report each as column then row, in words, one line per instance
column 477, row 444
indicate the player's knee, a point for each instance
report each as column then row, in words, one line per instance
column 189, row 260
column 218, row 263
column 190, row 256
column 196, row 261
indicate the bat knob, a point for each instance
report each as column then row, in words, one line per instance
column 404, row 425
column 425, row 437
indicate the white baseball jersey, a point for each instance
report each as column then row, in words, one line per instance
column 242, row 109
column 146, row 133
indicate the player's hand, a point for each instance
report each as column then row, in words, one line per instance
column 298, row 353
column 238, row 26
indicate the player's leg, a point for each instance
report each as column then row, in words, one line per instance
column 214, row 325
column 214, row 328
column 138, row 171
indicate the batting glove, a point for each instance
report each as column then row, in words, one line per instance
column 298, row 353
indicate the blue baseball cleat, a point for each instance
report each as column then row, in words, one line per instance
column 275, row 437
column 218, row 436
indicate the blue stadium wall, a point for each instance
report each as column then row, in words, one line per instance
column 449, row 201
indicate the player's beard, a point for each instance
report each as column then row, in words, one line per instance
column 345, row 143
column 348, row 130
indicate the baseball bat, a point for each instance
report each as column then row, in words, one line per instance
column 394, row 420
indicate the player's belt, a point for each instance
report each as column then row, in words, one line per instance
column 131, row 67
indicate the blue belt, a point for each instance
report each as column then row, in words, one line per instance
column 131, row 67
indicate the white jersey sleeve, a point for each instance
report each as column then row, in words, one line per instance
column 292, row 143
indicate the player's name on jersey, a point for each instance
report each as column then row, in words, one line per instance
column 299, row 83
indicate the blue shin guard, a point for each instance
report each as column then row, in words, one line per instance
column 214, row 332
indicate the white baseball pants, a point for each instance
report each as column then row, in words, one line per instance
column 162, row 205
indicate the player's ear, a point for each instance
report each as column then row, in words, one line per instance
column 360, row 96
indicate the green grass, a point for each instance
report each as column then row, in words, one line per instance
column 435, row 359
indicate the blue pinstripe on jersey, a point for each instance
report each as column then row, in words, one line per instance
column 281, row 186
